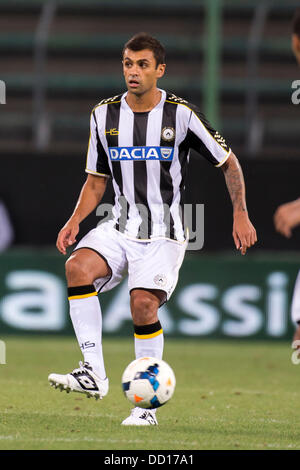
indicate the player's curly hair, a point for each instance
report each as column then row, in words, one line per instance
column 296, row 23
column 142, row 41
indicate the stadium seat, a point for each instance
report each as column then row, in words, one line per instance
column 76, row 41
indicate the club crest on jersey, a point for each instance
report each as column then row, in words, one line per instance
column 140, row 153
column 168, row 134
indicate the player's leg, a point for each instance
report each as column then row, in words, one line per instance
column 96, row 264
column 153, row 275
column 82, row 268
column 148, row 340
column 148, row 332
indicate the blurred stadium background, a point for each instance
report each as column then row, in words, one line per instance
column 232, row 58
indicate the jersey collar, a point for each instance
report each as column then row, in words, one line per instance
column 159, row 105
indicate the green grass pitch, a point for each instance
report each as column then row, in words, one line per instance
column 229, row 395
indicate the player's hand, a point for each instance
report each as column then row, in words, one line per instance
column 244, row 234
column 286, row 217
column 67, row 236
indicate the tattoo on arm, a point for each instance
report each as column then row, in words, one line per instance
column 235, row 184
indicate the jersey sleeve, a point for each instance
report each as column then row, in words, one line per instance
column 96, row 160
column 206, row 140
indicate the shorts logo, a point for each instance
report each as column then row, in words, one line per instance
column 160, row 280
column 168, row 134
column 140, row 153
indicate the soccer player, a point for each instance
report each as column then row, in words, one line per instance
column 141, row 139
column 287, row 216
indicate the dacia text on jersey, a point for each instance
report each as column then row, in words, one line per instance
column 141, row 153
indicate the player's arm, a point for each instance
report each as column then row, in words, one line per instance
column 212, row 146
column 244, row 234
column 286, row 217
column 93, row 189
column 89, row 198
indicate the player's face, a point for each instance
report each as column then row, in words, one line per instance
column 140, row 71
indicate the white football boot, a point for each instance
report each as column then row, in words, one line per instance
column 140, row 417
column 82, row 380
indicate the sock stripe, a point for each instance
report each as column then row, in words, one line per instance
column 72, row 297
column 80, row 292
column 151, row 335
column 148, row 331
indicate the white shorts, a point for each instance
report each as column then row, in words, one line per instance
column 149, row 265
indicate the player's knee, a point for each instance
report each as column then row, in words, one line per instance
column 143, row 308
column 77, row 270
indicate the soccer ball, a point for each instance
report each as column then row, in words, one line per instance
column 148, row 382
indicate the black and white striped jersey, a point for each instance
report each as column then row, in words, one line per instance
column 146, row 155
